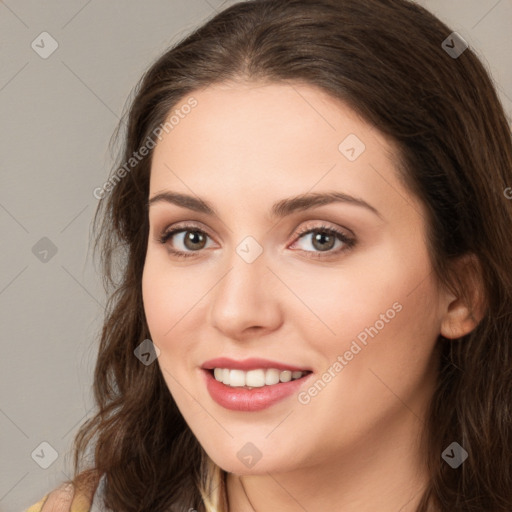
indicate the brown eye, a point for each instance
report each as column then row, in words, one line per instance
column 323, row 239
column 188, row 240
column 194, row 240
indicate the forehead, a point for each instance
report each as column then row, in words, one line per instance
column 252, row 142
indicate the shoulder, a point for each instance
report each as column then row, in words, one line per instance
column 62, row 499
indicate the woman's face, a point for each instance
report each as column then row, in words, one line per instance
column 262, row 279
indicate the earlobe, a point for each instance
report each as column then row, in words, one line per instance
column 464, row 312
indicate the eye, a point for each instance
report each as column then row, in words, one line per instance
column 324, row 239
column 193, row 239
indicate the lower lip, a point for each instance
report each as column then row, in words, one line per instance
column 255, row 399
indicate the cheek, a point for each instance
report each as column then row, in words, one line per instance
column 163, row 300
column 167, row 297
column 175, row 306
column 159, row 301
column 381, row 307
column 167, row 294
column 351, row 296
column 388, row 339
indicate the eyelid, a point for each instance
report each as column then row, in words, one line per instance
column 322, row 224
column 183, row 226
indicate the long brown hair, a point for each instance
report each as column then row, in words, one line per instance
column 385, row 59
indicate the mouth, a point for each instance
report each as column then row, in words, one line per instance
column 253, row 372
column 253, row 384
column 256, row 378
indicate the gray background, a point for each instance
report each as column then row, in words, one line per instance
column 58, row 115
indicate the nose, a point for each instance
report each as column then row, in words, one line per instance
column 247, row 299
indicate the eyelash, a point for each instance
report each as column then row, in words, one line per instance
column 349, row 242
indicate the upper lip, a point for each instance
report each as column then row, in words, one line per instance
column 252, row 363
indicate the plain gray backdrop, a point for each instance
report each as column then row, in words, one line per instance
column 58, row 112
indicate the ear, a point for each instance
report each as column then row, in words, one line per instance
column 464, row 312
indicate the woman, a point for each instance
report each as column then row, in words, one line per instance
column 314, row 303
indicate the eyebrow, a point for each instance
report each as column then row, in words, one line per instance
column 280, row 209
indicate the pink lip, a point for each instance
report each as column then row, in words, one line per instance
column 256, row 399
column 252, row 363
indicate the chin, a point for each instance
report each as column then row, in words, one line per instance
column 245, row 460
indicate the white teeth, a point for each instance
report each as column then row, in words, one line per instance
column 271, row 377
column 285, row 376
column 236, row 378
column 255, row 378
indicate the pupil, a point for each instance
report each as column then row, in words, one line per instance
column 192, row 238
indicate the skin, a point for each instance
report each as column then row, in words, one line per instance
column 356, row 445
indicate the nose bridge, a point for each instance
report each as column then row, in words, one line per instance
column 247, row 274
column 243, row 297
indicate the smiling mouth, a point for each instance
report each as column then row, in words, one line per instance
column 257, row 378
